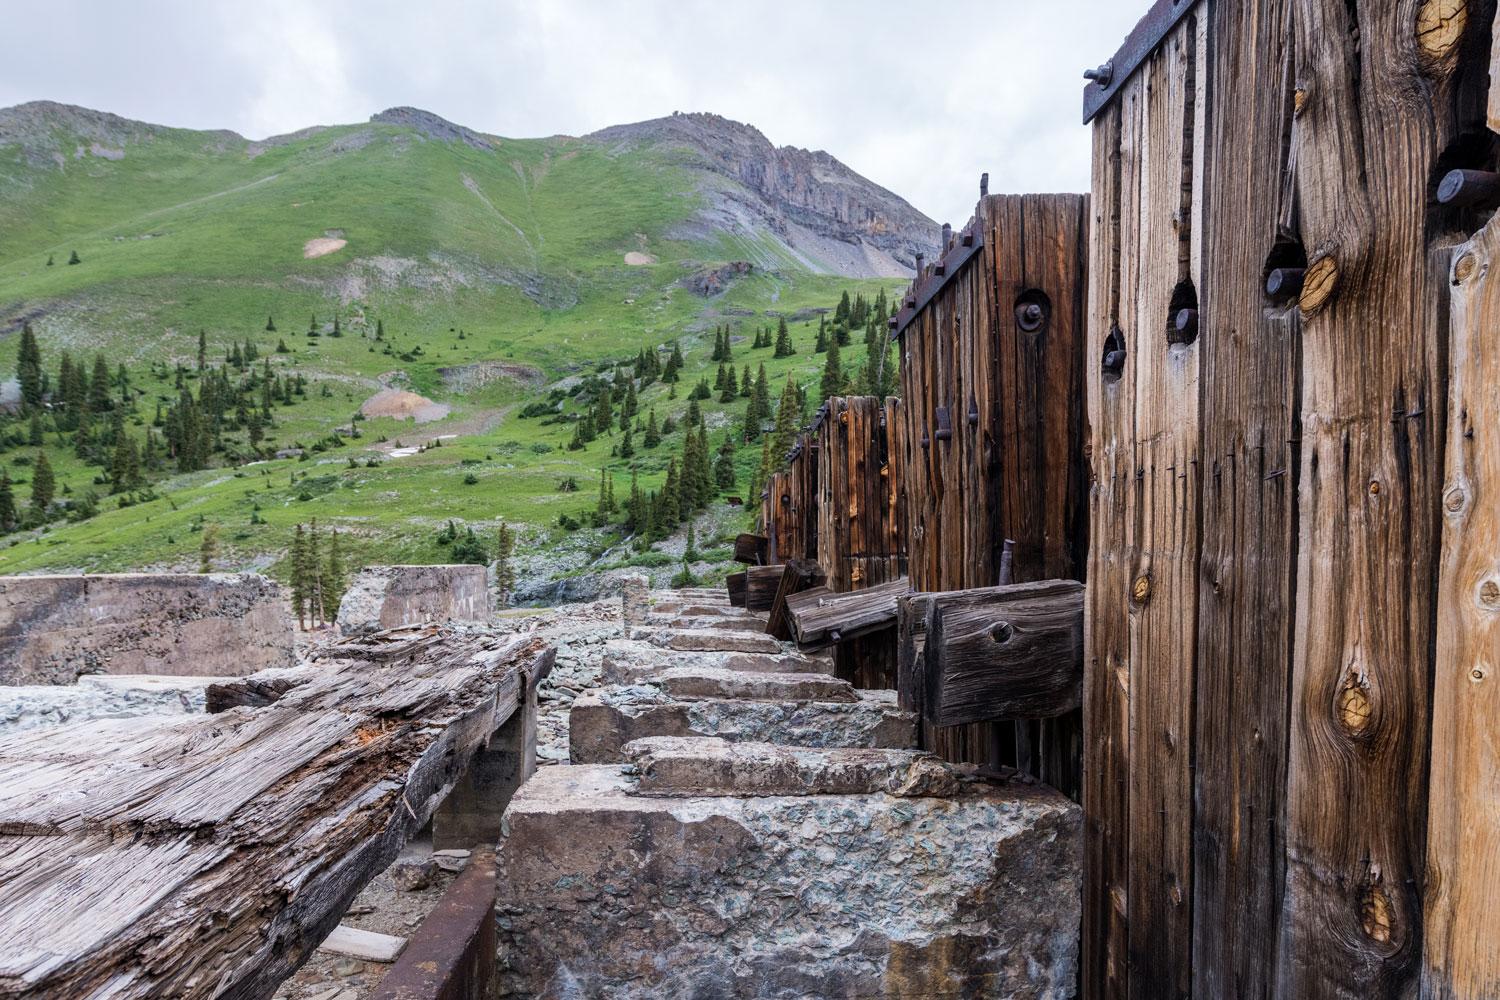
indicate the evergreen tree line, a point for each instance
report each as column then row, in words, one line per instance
column 317, row 576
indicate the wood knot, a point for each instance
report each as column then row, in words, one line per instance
column 1440, row 28
column 1140, row 591
column 1374, row 487
column 1464, row 268
column 1355, row 708
column 1318, row 284
column 1377, row 915
column 1299, row 102
column 1478, row 674
column 1002, row 632
column 1455, row 499
column 1489, row 595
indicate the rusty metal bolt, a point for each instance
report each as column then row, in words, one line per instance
column 1285, row 283
column 1030, row 315
column 1102, row 75
column 1186, row 322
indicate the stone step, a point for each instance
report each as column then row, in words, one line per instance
column 706, row 766
column 974, row 893
column 627, row 662
column 601, row 724
column 695, row 682
column 736, row 623
column 691, row 610
column 706, row 640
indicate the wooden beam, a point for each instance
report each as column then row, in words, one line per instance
column 761, row 583
column 797, row 575
column 738, row 586
column 1012, row 652
column 821, row 618
column 208, row 856
column 751, row 549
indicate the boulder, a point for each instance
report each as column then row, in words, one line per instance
column 974, row 893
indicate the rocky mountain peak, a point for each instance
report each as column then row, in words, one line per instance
column 433, row 126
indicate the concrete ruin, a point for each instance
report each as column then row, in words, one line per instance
column 382, row 597
column 718, row 870
column 55, row 629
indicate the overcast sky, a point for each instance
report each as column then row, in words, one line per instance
column 918, row 96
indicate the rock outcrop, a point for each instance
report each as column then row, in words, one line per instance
column 383, row 597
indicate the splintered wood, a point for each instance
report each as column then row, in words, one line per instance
column 207, row 857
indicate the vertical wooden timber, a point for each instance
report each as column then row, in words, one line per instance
column 1380, row 102
column 1461, row 957
column 1143, row 608
column 1250, row 364
column 860, row 543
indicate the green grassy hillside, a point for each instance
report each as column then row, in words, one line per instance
column 465, row 254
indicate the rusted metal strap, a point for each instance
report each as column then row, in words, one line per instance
column 1105, row 81
column 928, row 285
column 452, row 954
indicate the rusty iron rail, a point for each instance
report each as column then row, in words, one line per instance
column 452, row 954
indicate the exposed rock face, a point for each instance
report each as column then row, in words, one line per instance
column 384, row 597
column 974, row 893
column 808, row 198
column 710, row 281
column 627, row 662
column 434, row 127
column 603, row 723
column 54, row 629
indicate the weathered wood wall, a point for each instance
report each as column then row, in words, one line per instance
column 861, row 525
column 1267, row 499
column 789, row 507
column 991, row 337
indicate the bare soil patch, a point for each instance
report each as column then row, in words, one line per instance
column 637, row 259
column 322, row 246
column 403, row 405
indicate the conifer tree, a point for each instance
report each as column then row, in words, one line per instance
column 762, row 472
column 208, row 548
column 50, row 261
column 671, row 499
column 99, row 400
column 73, row 258
column 29, row 368
column 719, row 379
column 653, row 433
column 841, row 312
column 338, row 331
column 43, row 487
column 604, row 417
column 635, row 506
column 724, row 474
column 690, row 551
column 270, row 325
column 333, row 578
column 7, row 504
column 759, row 410
column 627, row 445
column 668, row 425
column 747, row 384
column 34, row 436
column 833, row 375
column 505, row 571
column 606, row 506
column 731, row 387
column 299, row 577
column 788, row 417
column 821, row 344
column 784, row 348
column 314, row 576
column 202, row 350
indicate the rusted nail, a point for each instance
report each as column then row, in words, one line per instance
column 1029, row 316
column 1007, row 574
column 1114, row 362
column 1102, row 75
column 1285, row 283
column 1187, row 323
column 1470, row 188
column 836, row 636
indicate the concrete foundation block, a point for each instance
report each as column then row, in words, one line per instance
column 629, row 662
column 706, row 640
column 383, row 597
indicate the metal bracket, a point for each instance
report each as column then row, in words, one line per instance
column 926, row 286
column 1106, row 81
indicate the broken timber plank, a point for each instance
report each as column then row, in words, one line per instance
column 751, row 549
column 208, row 857
column 761, row 584
column 738, row 585
column 1013, row 652
column 367, row 945
column 797, row 575
column 820, row 618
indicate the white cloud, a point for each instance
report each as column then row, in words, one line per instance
column 920, row 98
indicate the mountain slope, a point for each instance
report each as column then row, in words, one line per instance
column 492, row 266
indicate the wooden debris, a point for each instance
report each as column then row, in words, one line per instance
column 208, row 857
column 751, row 549
column 820, row 618
column 761, row 583
column 739, row 588
column 367, row 945
column 797, row 575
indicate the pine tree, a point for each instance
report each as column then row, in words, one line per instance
column 314, row 576
column 270, row 325
column 606, row 506
column 784, row 348
column 338, row 331
column 833, row 375
column 604, row 417
column 627, row 445
column 653, row 433
column 43, row 487
column 724, row 474
column 788, row 417
column 208, row 548
column 99, row 400
column 50, row 261
column 731, row 387
column 202, row 350
column 125, row 466
column 34, row 436
column 671, row 373
column 690, row 551
column 821, row 344
column 747, row 384
column 29, row 368
column 841, row 312
column 635, row 507
column 505, row 572
column 333, row 578
column 73, row 258
column 759, row 410
column 7, row 504
column 720, row 377
column 299, row 577
column 671, row 499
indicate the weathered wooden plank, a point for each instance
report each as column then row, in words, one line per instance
column 819, row 617
column 751, row 549
column 761, row 583
column 738, row 586
column 1013, row 652
column 209, row 856
column 860, row 538
column 1461, row 956
column 1379, row 108
column 797, row 575
column 1249, row 379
